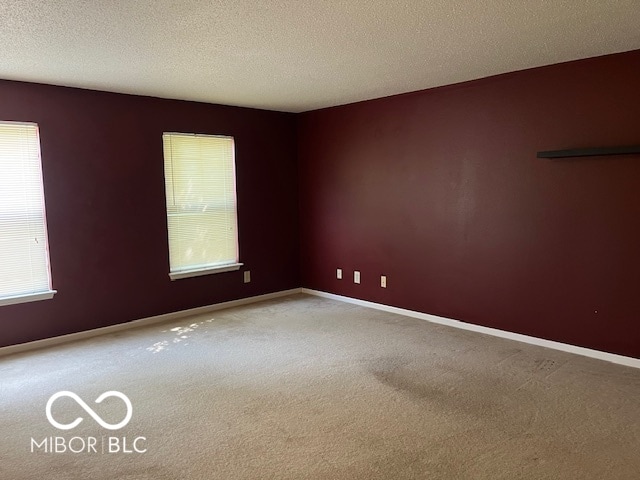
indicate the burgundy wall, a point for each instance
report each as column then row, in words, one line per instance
column 104, row 191
column 441, row 191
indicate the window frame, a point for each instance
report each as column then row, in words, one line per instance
column 49, row 292
column 210, row 269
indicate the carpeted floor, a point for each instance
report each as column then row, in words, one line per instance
column 309, row 388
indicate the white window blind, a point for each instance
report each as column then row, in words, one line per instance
column 201, row 204
column 24, row 255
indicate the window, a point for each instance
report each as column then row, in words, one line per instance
column 24, row 253
column 199, row 175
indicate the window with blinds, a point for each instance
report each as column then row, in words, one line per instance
column 24, row 254
column 199, row 174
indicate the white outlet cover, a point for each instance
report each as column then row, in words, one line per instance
column 356, row 277
column 383, row 281
column 339, row 274
column 247, row 276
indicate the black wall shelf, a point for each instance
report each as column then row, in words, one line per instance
column 589, row 152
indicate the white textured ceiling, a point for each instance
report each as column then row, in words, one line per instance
column 298, row 55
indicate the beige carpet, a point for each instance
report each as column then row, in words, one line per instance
column 309, row 388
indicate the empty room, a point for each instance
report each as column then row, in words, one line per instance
column 320, row 240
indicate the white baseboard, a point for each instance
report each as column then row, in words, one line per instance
column 72, row 337
column 587, row 352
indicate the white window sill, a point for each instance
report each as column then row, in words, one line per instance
column 205, row 271
column 30, row 297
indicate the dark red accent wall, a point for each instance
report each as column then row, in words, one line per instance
column 104, row 191
column 441, row 191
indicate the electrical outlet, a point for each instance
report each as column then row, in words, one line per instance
column 339, row 274
column 356, row 277
column 383, row 281
column 247, row 276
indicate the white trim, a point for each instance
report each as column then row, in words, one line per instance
column 205, row 271
column 29, row 297
column 165, row 317
column 29, row 124
column 198, row 135
column 587, row 352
